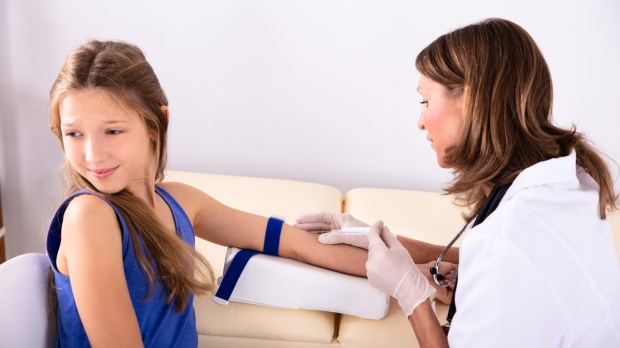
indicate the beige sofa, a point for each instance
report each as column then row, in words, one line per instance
column 422, row 215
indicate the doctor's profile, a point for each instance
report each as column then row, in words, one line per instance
column 536, row 263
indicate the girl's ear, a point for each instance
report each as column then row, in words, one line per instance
column 166, row 112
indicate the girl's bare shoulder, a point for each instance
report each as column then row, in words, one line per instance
column 89, row 209
column 89, row 227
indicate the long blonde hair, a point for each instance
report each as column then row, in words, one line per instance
column 121, row 70
column 508, row 97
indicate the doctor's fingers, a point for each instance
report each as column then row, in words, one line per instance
column 357, row 240
column 443, row 294
column 447, row 268
column 375, row 242
column 390, row 239
column 315, row 222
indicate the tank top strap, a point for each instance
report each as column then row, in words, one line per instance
column 181, row 220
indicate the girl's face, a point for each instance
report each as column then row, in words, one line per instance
column 107, row 144
column 442, row 117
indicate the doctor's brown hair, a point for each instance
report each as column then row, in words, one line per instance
column 121, row 71
column 508, row 95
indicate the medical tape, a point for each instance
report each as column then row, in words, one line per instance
column 240, row 260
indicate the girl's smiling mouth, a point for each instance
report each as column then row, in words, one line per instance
column 102, row 173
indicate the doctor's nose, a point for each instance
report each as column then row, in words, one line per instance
column 421, row 123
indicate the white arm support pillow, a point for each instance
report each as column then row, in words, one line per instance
column 279, row 282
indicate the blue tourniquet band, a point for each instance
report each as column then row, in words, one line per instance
column 272, row 236
column 270, row 247
column 233, row 273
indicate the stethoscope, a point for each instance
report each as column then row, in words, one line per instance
column 492, row 201
column 439, row 278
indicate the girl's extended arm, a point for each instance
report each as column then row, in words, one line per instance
column 223, row 225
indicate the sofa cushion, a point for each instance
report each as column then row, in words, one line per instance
column 393, row 331
column 242, row 342
column 259, row 322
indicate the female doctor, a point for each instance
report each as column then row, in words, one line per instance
column 537, row 266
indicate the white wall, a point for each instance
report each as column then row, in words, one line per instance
column 313, row 90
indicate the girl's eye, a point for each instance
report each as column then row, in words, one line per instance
column 114, row 132
column 72, row 134
column 424, row 102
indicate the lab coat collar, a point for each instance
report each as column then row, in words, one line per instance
column 552, row 171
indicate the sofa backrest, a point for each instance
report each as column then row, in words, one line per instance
column 427, row 216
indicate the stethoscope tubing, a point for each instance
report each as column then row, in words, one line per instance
column 443, row 252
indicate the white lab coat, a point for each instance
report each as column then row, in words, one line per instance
column 541, row 271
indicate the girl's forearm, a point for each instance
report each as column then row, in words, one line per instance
column 305, row 247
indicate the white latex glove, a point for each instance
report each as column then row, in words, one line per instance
column 328, row 224
column 391, row 269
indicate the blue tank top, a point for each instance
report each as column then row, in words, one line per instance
column 160, row 324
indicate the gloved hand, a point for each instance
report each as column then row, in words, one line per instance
column 326, row 222
column 391, row 269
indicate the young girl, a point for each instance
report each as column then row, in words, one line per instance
column 121, row 244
